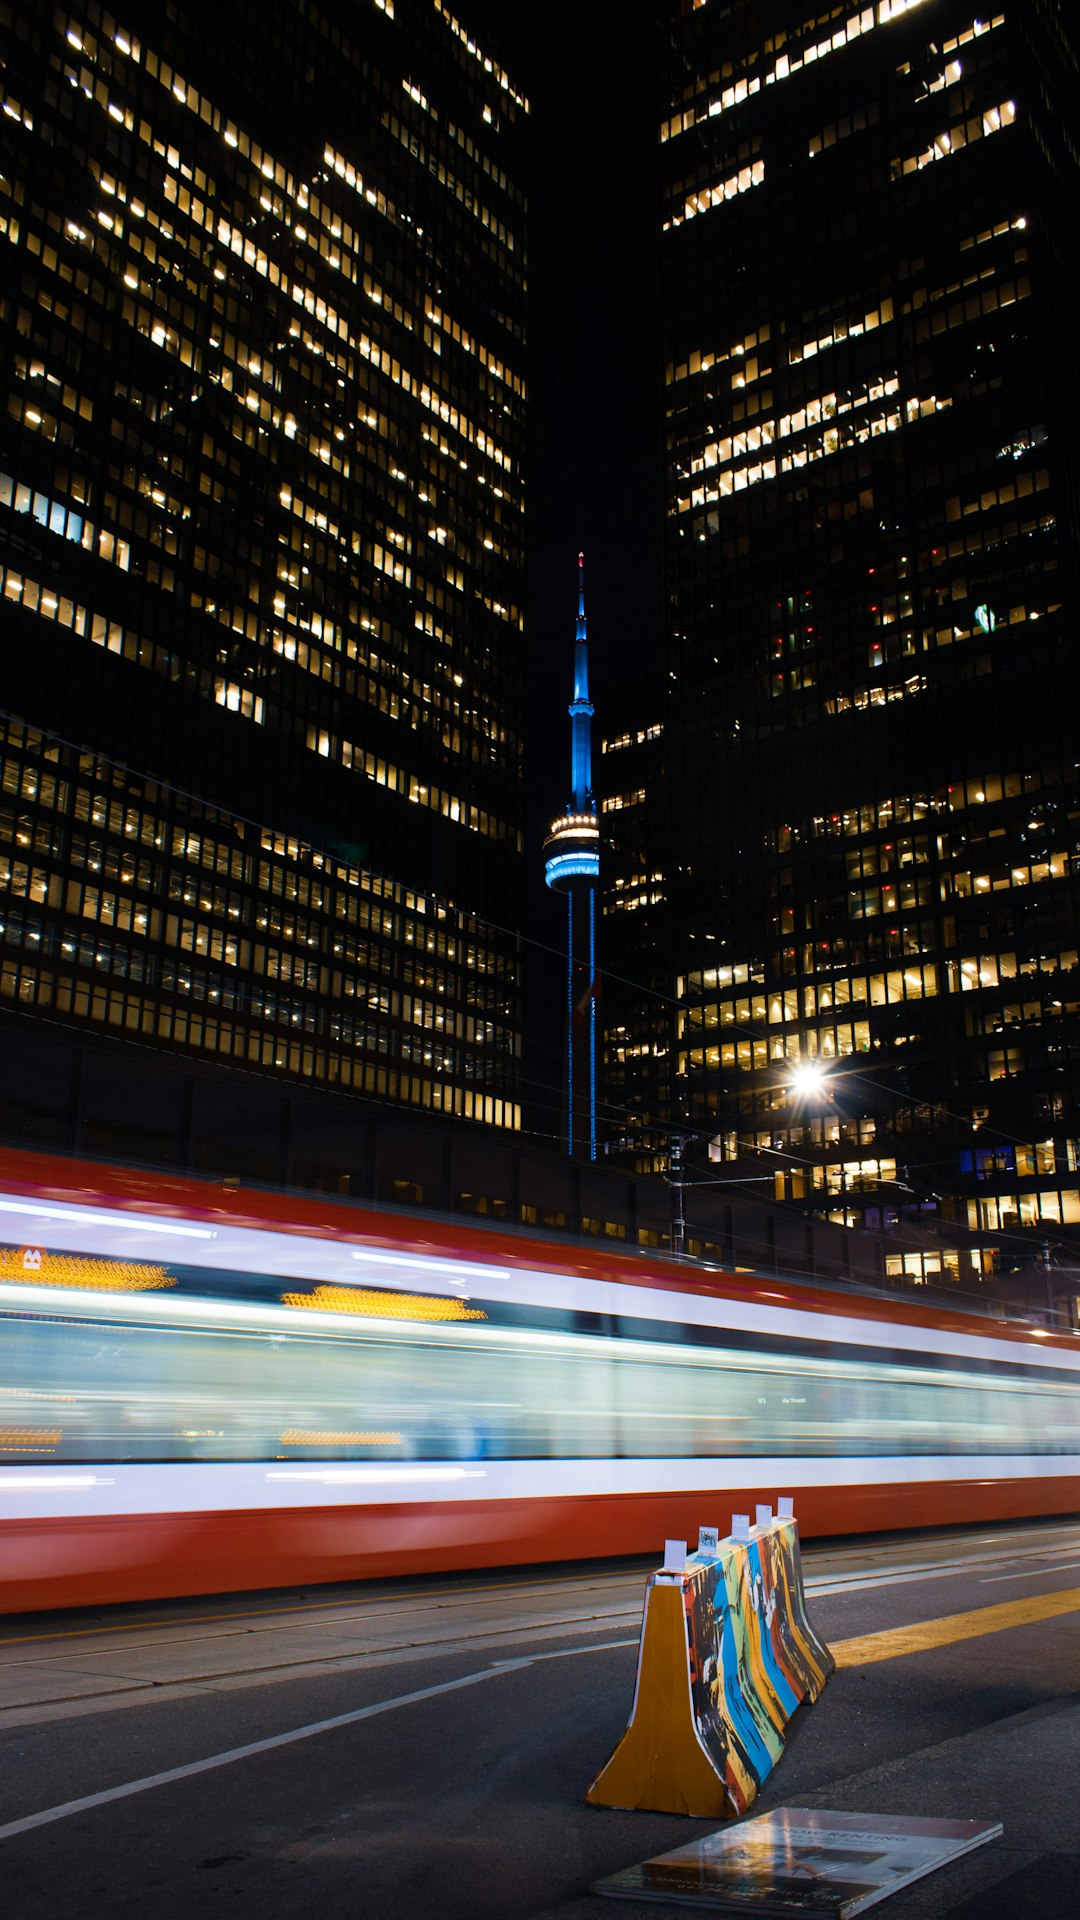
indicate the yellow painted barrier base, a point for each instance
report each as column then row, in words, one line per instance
column 727, row 1656
column 656, row 1766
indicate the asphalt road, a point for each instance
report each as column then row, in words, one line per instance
column 472, row 1713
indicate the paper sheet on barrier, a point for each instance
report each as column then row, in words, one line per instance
column 801, row 1860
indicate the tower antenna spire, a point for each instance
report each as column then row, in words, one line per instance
column 572, row 867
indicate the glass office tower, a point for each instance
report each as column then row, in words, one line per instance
column 869, row 290
column 261, row 538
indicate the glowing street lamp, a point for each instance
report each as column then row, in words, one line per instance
column 807, row 1077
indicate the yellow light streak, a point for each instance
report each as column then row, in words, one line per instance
column 383, row 1306
column 30, row 1439
column 312, row 1437
column 35, row 1267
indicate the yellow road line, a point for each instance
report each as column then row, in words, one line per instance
column 896, row 1641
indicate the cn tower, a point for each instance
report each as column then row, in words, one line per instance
column 572, row 867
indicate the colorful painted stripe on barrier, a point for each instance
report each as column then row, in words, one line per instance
column 727, row 1657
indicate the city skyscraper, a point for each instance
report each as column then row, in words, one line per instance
column 572, row 868
column 868, row 281
column 261, row 539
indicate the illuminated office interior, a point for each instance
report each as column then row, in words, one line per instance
column 868, row 287
column 261, row 539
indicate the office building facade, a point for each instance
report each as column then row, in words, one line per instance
column 868, row 283
column 261, row 537
column 638, row 1109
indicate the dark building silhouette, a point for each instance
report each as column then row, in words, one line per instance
column 637, row 1108
column 261, row 540
column 868, row 294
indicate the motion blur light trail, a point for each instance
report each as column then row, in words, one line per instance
column 561, row 1403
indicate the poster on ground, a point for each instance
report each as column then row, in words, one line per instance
column 801, row 1861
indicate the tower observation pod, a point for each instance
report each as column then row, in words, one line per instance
column 572, row 867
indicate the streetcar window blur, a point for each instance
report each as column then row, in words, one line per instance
column 154, row 1381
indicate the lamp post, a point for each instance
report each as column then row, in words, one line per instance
column 678, row 1188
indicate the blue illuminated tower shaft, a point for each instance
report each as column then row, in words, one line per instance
column 573, row 867
column 581, row 712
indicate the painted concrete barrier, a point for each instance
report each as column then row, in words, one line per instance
column 726, row 1658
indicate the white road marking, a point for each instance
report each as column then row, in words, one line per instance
column 827, row 1584
column 254, row 1747
column 1033, row 1573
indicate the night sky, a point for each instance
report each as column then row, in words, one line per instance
column 594, row 480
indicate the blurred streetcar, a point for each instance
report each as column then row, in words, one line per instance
column 204, row 1391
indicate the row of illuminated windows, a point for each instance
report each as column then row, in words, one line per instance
column 715, row 195
column 57, row 516
column 298, row 874
column 1021, row 1013
column 124, row 1012
column 849, row 1176
column 636, row 738
column 229, row 944
column 420, row 151
column 879, row 694
column 921, row 297
column 855, row 822
column 819, row 1132
column 992, row 970
column 482, row 160
column 171, row 973
column 481, row 744
column 842, row 129
column 131, row 646
column 1003, row 877
column 1012, row 616
column 470, row 344
column 351, row 754
column 907, row 850
column 702, row 361
column 825, row 446
column 780, row 1008
column 52, row 389
column 615, row 802
column 752, row 1056
column 870, row 945
column 950, row 140
column 843, row 329
column 416, row 692
column 176, row 341
column 1033, row 1159
column 364, row 960
column 930, row 1268
column 268, row 171
column 23, row 880
column 632, row 901
column 1003, row 1211
column 821, row 407
column 431, row 1015
column 483, row 60
column 860, row 21
column 1024, row 484
column 887, row 988
column 837, row 440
